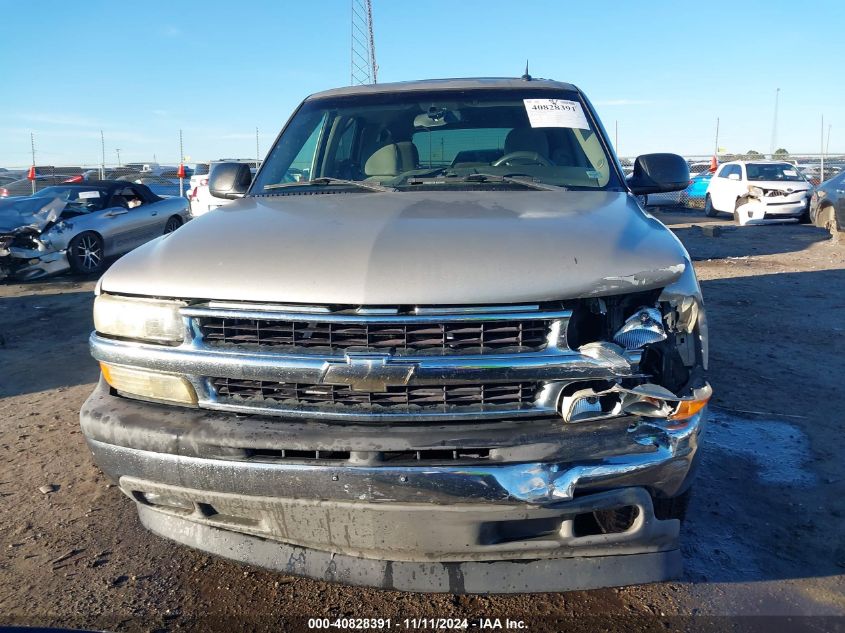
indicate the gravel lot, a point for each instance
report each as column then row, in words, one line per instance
column 764, row 534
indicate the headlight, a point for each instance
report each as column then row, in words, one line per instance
column 149, row 384
column 142, row 319
column 755, row 191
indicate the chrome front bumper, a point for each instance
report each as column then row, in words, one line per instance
column 403, row 526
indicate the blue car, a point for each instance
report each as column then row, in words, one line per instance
column 697, row 186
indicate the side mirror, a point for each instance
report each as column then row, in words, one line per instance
column 733, row 177
column 658, row 173
column 229, row 180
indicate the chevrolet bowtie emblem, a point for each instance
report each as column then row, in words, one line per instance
column 367, row 372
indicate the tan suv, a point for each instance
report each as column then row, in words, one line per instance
column 434, row 345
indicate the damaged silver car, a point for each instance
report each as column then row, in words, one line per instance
column 78, row 226
column 452, row 354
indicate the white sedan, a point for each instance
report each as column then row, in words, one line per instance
column 758, row 192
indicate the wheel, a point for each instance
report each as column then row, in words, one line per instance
column 709, row 211
column 825, row 218
column 173, row 223
column 673, row 507
column 805, row 217
column 86, row 254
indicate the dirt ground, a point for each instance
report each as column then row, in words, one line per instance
column 764, row 534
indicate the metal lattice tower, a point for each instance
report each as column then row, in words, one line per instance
column 364, row 69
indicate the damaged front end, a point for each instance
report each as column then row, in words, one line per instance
column 771, row 205
column 26, row 252
column 494, row 449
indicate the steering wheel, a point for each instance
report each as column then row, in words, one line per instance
column 523, row 158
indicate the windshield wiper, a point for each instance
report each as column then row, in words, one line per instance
column 511, row 180
column 326, row 180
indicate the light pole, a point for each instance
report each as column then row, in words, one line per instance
column 118, row 156
column 775, row 125
column 102, row 156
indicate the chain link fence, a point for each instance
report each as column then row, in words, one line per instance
column 815, row 167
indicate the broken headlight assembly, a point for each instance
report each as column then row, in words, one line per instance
column 150, row 320
column 667, row 331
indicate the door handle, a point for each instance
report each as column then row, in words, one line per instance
column 112, row 214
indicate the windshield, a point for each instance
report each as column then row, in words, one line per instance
column 772, row 171
column 80, row 199
column 410, row 139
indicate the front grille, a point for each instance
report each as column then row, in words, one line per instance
column 401, row 338
column 429, row 397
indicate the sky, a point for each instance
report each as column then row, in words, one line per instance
column 659, row 72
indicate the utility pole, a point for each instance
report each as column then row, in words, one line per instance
column 775, row 125
column 102, row 156
column 616, row 136
column 257, row 151
column 118, row 156
column 821, row 171
column 181, row 167
column 716, row 149
column 32, row 143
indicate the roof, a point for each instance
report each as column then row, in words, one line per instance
column 746, row 161
column 94, row 183
column 446, row 84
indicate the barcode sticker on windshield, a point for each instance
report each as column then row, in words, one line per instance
column 555, row 113
column 84, row 195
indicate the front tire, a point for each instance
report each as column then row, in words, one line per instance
column 709, row 210
column 173, row 223
column 86, row 254
column 825, row 219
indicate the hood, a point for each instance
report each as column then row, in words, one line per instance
column 413, row 248
column 29, row 213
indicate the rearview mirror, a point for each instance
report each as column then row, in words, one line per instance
column 229, row 180
column 658, row 173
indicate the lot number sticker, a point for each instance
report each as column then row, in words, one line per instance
column 555, row 113
column 85, row 195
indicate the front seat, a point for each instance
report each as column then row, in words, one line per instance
column 392, row 160
column 527, row 139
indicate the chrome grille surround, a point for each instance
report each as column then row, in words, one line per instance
column 514, row 329
column 365, row 377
